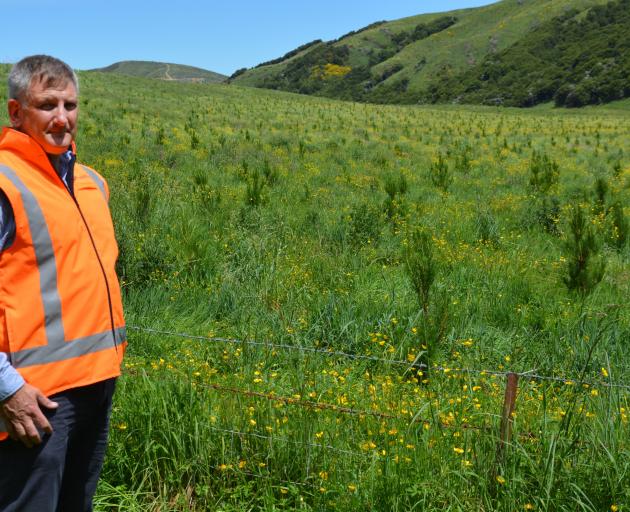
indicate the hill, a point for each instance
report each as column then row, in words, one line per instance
column 399, row 61
column 163, row 71
column 576, row 59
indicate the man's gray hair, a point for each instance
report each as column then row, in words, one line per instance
column 48, row 70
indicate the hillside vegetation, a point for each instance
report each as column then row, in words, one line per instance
column 425, row 58
column 323, row 299
column 163, row 71
column 573, row 60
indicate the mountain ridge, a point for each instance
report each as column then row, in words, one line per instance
column 163, row 71
column 386, row 63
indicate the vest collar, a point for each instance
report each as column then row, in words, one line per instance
column 26, row 147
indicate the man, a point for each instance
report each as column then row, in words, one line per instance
column 62, row 332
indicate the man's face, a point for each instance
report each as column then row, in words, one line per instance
column 48, row 115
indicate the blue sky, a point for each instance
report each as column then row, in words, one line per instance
column 219, row 36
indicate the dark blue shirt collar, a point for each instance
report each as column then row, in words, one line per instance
column 65, row 169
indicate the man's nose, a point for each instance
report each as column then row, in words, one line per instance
column 61, row 115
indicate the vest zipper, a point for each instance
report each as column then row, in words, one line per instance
column 100, row 263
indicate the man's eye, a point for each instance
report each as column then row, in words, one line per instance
column 70, row 106
column 47, row 106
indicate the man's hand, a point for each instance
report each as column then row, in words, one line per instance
column 23, row 416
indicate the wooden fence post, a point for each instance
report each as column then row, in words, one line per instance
column 509, row 403
column 505, row 434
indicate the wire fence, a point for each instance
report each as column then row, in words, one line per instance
column 302, row 403
column 274, row 346
column 414, row 419
column 501, row 436
column 309, row 404
column 530, row 374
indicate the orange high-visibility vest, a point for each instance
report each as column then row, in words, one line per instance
column 61, row 316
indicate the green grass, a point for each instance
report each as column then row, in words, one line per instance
column 260, row 215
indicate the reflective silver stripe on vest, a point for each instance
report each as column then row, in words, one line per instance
column 70, row 349
column 57, row 348
column 98, row 181
column 45, row 255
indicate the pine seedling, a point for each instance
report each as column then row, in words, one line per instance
column 600, row 192
column 544, row 172
column 421, row 266
column 395, row 187
column 422, row 269
column 585, row 269
column 620, row 226
column 254, row 192
column 548, row 215
column 440, row 174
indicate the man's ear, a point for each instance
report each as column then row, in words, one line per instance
column 16, row 111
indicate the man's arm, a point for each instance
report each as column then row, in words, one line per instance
column 19, row 402
column 10, row 379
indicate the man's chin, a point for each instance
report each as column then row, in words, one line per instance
column 58, row 145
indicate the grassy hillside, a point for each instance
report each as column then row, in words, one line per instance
column 386, row 65
column 576, row 59
column 299, row 258
column 163, row 71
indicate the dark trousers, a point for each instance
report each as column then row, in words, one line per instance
column 60, row 474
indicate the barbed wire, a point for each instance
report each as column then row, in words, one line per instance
column 411, row 418
column 408, row 364
column 571, row 381
column 302, row 403
column 530, row 375
column 281, row 346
